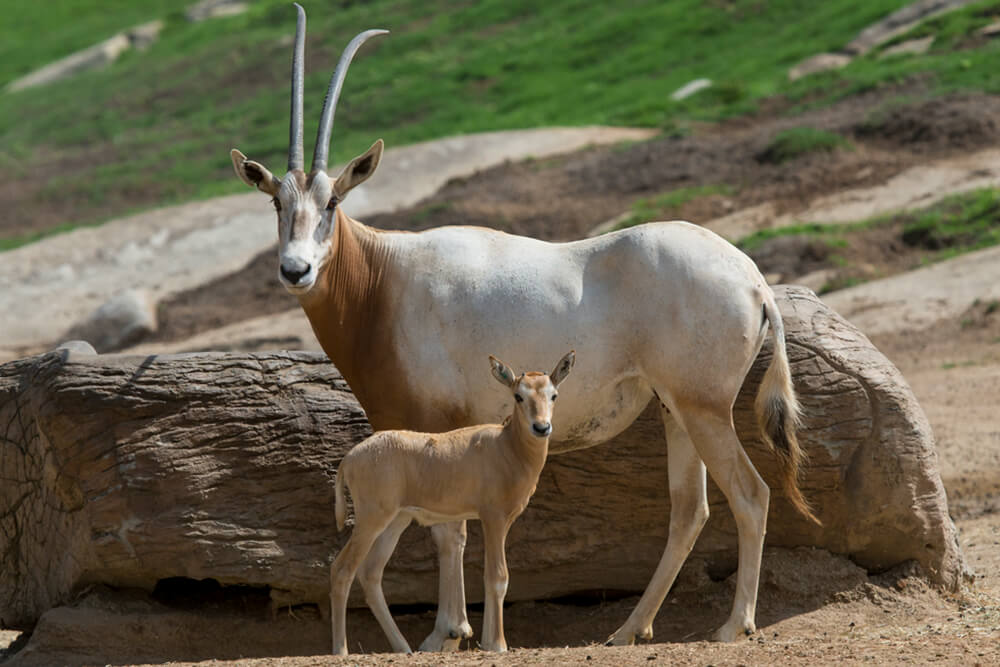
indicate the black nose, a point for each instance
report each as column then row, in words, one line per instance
column 542, row 429
column 294, row 270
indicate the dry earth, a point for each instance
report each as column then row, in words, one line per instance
column 813, row 609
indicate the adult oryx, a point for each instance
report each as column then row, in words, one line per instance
column 665, row 309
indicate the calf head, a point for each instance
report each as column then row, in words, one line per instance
column 534, row 393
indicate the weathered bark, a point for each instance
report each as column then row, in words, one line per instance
column 127, row 470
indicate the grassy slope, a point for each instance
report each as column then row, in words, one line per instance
column 956, row 225
column 161, row 122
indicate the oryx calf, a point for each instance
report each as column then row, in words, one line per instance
column 479, row 472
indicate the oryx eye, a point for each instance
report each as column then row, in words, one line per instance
column 277, row 203
column 332, row 204
column 519, row 398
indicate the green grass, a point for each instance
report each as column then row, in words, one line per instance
column 956, row 225
column 33, row 34
column 833, row 233
column 665, row 205
column 959, row 224
column 798, row 141
column 959, row 60
column 156, row 126
column 960, row 364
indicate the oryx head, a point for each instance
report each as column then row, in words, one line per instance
column 306, row 203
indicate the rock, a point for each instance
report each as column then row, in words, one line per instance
column 98, row 55
column 909, row 47
column 132, row 471
column 123, row 320
column 899, row 22
column 816, row 280
column 141, row 36
column 690, row 88
column 991, row 30
column 76, row 347
column 93, row 57
column 820, row 62
column 212, row 9
column 610, row 225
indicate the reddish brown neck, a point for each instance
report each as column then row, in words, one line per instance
column 350, row 309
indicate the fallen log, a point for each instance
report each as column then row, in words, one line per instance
column 133, row 470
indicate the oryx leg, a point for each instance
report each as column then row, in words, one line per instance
column 452, row 624
column 714, row 437
column 495, row 580
column 367, row 528
column 370, row 577
column 688, row 514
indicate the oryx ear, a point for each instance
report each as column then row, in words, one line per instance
column 254, row 174
column 502, row 372
column 359, row 170
column 563, row 368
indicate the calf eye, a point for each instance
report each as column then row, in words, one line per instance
column 277, row 203
column 554, row 397
column 518, row 398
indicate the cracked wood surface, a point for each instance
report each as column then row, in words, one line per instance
column 125, row 470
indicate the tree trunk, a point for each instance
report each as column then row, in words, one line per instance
column 127, row 470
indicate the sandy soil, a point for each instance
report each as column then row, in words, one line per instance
column 939, row 325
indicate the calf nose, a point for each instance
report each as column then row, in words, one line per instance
column 294, row 269
column 542, row 429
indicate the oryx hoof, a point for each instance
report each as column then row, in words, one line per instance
column 621, row 639
column 731, row 632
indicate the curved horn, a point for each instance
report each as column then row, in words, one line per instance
column 295, row 152
column 332, row 95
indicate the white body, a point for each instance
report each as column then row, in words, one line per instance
column 610, row 297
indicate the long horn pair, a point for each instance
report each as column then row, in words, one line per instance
column 322, row 150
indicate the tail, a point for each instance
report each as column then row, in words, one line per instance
column 340, row 505
column 778, row 414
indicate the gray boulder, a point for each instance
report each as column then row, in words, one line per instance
column 123, row 320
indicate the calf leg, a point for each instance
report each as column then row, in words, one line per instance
column 370, row 577
column 366, row 529
column 715, row 439
column 688, row 514
column 452, row 624
column 495, row 579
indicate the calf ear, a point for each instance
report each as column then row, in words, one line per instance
column 359, row 170
column 502, row 372
column 254, row 174
column 563, row 368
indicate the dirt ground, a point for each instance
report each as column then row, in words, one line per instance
column 813, row 608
